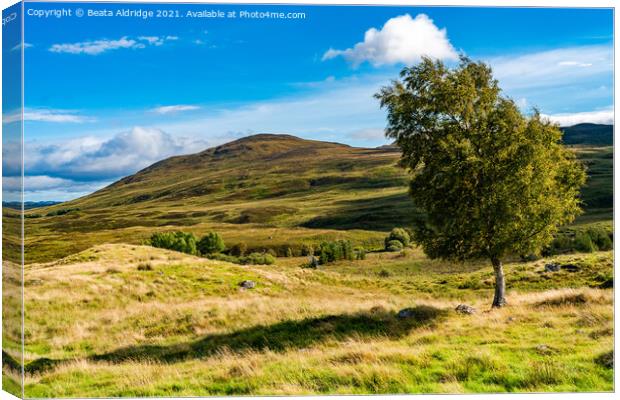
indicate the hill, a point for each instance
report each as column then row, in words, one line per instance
column 589, row 134
column 269, row 191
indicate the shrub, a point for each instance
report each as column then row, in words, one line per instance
column 394, row 245
column 177, row 241
column 258, row 259
column 584, row 243
column 212, row 243
column 238, row 249
column 400, row 235
column 600, row 238
column 307, row 250
column 250, row 259
column 360, row 253
column 335, row 251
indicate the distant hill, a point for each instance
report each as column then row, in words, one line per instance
column 268, row 191
column 28, row 204
column 592, row 134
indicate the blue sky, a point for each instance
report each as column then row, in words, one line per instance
column 107, row 96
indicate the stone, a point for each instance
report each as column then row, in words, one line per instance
column 544, row 349
column 406, row 313
column 248, row 284
column 552, row 267
column 465, row 309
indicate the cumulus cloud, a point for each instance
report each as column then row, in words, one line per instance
column 97, row 47
column 402, row 39
column 46, row 115
column 94, row 158
column 594, row 117
column 174, row 109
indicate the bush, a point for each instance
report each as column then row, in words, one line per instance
column 400, row 235
column 600, row 238
column 584, row 243
column 258, row 259
column 360, row 253
column 335, row 251
column 238, row 249
column 250, row 259
column 307, row 250
column 212, row 243
column 177, row 241
column 394, row 245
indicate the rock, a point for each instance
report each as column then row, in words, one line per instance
column 552, row 267
column 544, row 349
column 406, row 313
column 248, row 284
column 465, row 309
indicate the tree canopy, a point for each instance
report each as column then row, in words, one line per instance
column 490, row 180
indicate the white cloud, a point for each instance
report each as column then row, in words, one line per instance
column 594, row 117
column 331, row 110
column 574, row 64
column 97, row 47
column 564, row 66
column 46, row 115
column 93, row 158
column 153, row 40
column 401, row 40
column 174, row 109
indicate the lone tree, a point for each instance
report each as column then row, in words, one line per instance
column 490, row 181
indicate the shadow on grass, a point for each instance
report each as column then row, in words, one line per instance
column 377, row 213
column 283, row 335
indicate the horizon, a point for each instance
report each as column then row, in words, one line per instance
column 128, row 94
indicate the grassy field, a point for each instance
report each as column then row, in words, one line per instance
column 138, row 321
column 106, row 315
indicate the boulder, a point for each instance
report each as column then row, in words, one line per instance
column 406, row 313
column 248, row 284
column 552, row 267
column 465, row 309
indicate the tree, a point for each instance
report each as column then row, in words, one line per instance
column 212, row 243
column 490, row 181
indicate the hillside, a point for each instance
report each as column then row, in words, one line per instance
column 589, row 134
column 137, row 321
column 270, row 191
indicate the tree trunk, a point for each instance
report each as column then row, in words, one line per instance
column 499, row 300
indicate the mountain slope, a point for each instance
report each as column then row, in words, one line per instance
column 269, row 191
column 589, row 134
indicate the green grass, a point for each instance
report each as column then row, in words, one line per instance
column 184, row 327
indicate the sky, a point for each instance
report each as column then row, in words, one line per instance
column 106, row 96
